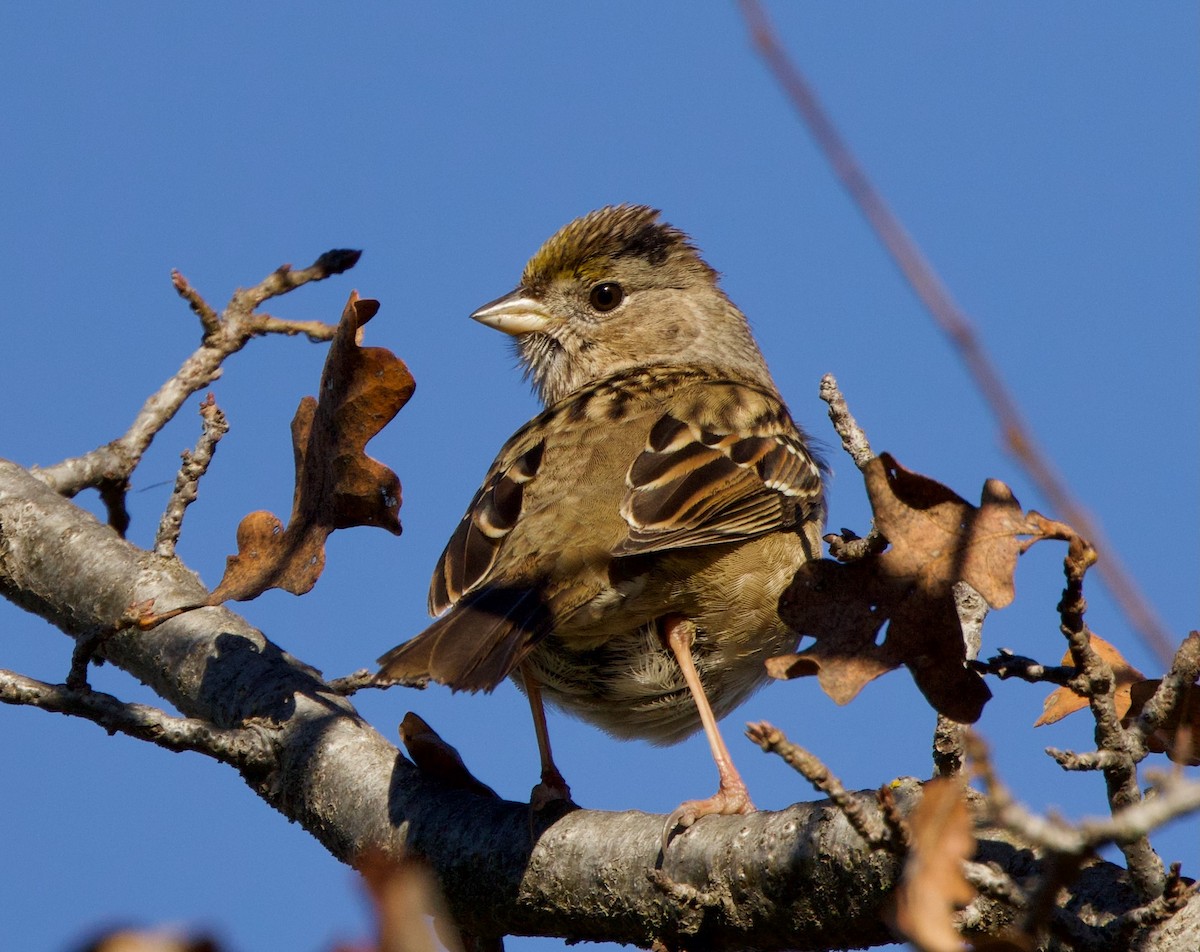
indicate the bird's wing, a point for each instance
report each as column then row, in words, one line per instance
column 724, row 463
column 485, row 627
column 471, row 553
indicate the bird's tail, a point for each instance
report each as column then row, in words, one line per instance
column 475, row 645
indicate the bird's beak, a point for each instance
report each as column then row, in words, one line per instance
column 516, row 313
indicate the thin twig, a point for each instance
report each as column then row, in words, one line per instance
column 245, row 748
column 1091, row 760
column 1176, row 895
column 285, row 278
column 1176, row 796
column 949, row 742
column 954, row 323
column 195, row 465
column 772, row 740
column 1163, row 706
column 366, row 678
column 87, row 644
column 315, row 331
column 848, row 546
column 1099, row 687
column 994, row 883
column 210, row 321
column 111, row 464
column 854, row 440
column 1006, row 665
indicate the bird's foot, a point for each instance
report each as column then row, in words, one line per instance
column 551, row 792
column 549, row 802
column 730, row 799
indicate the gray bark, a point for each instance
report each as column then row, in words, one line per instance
column 798, row 878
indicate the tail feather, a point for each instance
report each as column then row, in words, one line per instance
column 475, row 645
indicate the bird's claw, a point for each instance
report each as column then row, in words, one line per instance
column 727, row 801
column 551, row 791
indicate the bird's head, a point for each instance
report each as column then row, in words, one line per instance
column 616, row 290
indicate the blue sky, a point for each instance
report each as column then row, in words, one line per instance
column 1045, row 159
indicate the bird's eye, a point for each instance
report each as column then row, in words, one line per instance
column 606, row 296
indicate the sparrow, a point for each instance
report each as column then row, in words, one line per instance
column 625, row 555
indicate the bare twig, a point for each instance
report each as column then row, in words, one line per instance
column 848, row 546
column 87, row 644
column 1176, row 796
column 111, row 465
column 1099, row 687
column 315, row 331
column 953, row 322
column 284, row 279
column 1176, row 895
column 245, row 748
column 994, row 883
column 85, row 649
column 1006, row 665
column 949, row 742
column 772, row 740
column 854, row 440
column 353, row 682
column 1164, row 704
column 210, row 321
column 893, row 819
column 1092, row 760
column 195, row 465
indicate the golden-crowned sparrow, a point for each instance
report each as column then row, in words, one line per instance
column 625, row 556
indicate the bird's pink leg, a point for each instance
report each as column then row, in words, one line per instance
column 553, row 786
column 732, row 796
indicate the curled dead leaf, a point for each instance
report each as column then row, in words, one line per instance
column 897, row 607
column 1063, row 701
column 933, row 887
column 337, row 484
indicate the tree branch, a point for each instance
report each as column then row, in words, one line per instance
column 767, row 880
column 247, row 749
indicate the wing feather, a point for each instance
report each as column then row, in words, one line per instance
column 725, row 465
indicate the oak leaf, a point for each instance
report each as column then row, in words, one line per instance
column 936, row 539
column 337, row 484
column 1063, row 701
column 1177, row 736
column 933, row 886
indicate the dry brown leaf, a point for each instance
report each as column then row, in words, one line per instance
column 1179, row 736
column 936, row 539
column 1063, row 701
column 405, row 897
column 337, row 484
column 933, row 886
column 128, row 940
column 436, row 759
